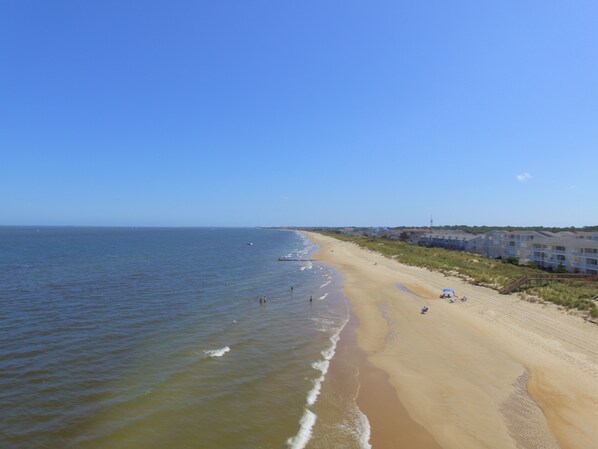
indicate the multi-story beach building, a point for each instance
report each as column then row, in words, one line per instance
column 519, row 243
column 490, row 244
column 575, row 254
column 351, row 231
column 505, row 244
column 458, row 240
column 376, row 232
column 588, row 235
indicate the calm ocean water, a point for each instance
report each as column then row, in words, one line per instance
column 156, row 338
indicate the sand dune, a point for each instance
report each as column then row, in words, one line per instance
column 492, row 372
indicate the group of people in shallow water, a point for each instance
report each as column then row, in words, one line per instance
column 263, row 299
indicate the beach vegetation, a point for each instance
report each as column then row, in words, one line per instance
column 477, row 270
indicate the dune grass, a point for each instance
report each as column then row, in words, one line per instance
column 479, row 270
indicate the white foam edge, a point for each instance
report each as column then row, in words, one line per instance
column 313, row 394
column 216, row 352
column 365, row 429
column 303, row 436
column 307, row 245
column 308, row 266
column 323, row 365
column 328, row 353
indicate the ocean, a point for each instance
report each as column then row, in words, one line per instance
column 157, row 338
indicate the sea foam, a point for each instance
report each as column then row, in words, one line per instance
column 361, row 427
column 216, row 352
column 308, row 420
column 306, row 425
column 313, row 394
column 365, row 430
column 308, row 266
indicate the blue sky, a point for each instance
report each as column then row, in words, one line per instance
column 231, row 113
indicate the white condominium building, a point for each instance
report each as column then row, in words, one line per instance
column 577, row 255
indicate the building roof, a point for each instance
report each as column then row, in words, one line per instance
column 451, row 235
column 524, row 233
column 575, row 242
column 588, row 235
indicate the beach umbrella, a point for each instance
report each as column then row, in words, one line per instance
column 446, row 290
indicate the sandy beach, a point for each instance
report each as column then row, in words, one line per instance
column 492, row 372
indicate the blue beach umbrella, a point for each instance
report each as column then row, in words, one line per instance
column 446, row 290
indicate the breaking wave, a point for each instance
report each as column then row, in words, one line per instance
column 216, row 352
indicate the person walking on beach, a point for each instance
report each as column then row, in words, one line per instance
column 311, row 298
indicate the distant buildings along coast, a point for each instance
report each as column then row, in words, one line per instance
column 575, row 252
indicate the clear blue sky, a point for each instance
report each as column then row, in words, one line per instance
column 243, row 113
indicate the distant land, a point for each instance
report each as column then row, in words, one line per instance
column 464, row 228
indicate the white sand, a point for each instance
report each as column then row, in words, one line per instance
column 493, row 372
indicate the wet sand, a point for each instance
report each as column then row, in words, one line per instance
column 493, row 372
column 391, row 425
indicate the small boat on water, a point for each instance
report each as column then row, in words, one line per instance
column 249, row 243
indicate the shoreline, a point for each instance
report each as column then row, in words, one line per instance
column 494, row 372
column 389, row 426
